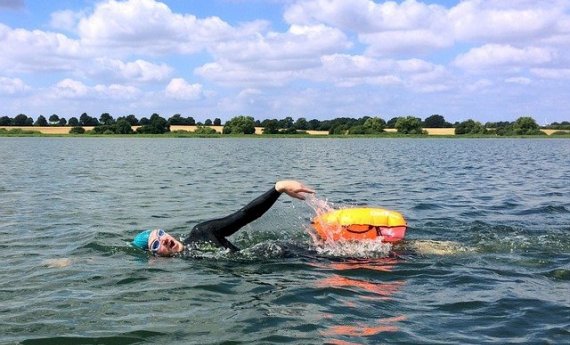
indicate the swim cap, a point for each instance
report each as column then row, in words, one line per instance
column 141, row 239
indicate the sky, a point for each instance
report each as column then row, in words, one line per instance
column 487, row 60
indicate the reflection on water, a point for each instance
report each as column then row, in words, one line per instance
column 361, row 292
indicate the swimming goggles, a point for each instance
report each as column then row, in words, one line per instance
column 155, row 244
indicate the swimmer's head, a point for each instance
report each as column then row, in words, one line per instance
column 141, row 240
column 158, row 242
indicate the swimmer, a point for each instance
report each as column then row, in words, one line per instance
column 216, row 231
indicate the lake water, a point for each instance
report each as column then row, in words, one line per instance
column 486, row 257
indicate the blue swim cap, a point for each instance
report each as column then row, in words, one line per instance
column 141, row 239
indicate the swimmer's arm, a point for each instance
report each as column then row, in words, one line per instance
column 227, row 226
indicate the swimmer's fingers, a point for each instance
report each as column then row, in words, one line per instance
column 293, row 188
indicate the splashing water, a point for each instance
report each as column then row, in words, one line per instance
column 343, row 248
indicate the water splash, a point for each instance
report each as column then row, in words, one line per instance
column 366, row 249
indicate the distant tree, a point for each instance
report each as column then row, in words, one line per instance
column 86, row 120
column 371, row 125
column 270, row 127
column 565, row 125
column 374, row 125
column 436, row 121
column 314, row 124
column 240, row 124
column 190, row 121
column 325, row 125
column 5, row 121
column 54, row 119
column 301, row 124
column 76, row 130
column 106, row 119
column 286, row 122
column 156, row 125
column 470, row 127
column 409, row 125
column 74, row 122
column 177, row 120
column 208, row 122
column 132, row 119
column 62, row 121
column 500, row 124
column 392, row 122
column 123, row 126
column 23, row 120
column 217, row 122
column 526, row 125
column 41, row 121
column 144, row 121
column 339, row 129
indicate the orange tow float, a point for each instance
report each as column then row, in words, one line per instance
column 361, row 224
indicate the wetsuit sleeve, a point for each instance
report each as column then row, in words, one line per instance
column 216, row 230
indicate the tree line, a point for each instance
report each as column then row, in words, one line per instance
column 157, row 124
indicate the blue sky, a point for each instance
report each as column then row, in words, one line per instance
column 488, row 60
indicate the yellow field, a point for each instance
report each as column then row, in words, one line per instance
column 258, row 130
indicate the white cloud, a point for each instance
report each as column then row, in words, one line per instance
column 37, row 50
column 497, row 55
column 74, row 89
column 352, row 70
column 150, row 27
column 69, row 88
column 66, row 20
column 134, row 71
column 479, row 85
column 413, row 27
column 180, row 89
column 551, row 73
column 13, row 86
column 410, row 42
column 116, row 91
column 387, row 27
column 496, row 21
column 365, row 16
column 300, row 47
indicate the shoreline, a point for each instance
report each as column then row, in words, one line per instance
column 178, row 130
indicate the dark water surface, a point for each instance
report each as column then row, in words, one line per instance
column 487, row 256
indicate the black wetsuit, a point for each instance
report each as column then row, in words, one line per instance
column 216, row 231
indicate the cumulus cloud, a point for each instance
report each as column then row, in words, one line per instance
column 365, row 16
column 387, row 27
column 414, row 27
column 297, row 43
column 551, row 73
column 498, row 21
column 134, row 71
column 69, row 88
column 37, row 50
column 149, row 27
column 65, row 20
column 180, row 89
column 497, row 55
column 74, row 89
column 352, row 70
column 13, row 86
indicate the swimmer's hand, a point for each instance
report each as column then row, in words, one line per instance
column 293, row 188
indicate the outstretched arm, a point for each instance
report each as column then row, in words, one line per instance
column 226, row 226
